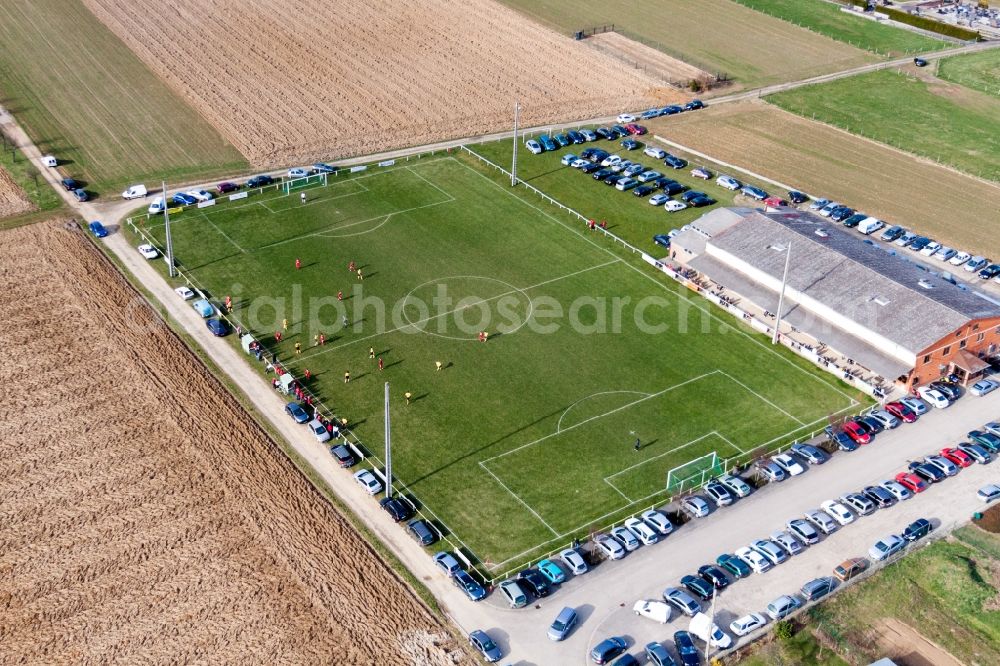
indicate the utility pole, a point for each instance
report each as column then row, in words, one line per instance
column 781, row 296
column 513, row 168
column 711, row 624
column 166, row 221
column 388, row 447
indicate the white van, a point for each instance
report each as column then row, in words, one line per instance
column 134, row 192
column 157, row 206
column 870, row 225
column 50, row 161
column 703, row 627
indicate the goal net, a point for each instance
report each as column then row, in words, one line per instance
column 693, row 474
column 290, row 185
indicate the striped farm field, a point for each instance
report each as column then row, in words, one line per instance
column 83, row 96
column 825, row 161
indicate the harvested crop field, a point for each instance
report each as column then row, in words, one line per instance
column 288, row 83
column 655, row 63
column 146, row 518
column 13, row 200
column 825, row 161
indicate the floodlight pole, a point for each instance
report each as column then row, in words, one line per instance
column 166, row 221
column 781, row 296
column 388, row 447
column 513, row 168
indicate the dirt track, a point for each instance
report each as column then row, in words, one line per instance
column 13, row 200
column 294, row 82
column 145, row 518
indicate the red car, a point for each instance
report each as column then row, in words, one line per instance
column 856, row 432
column 775, row 202
column 636, row 129
column 901, row 411
column 227, row 187
column 957, row 456
column 911, row 481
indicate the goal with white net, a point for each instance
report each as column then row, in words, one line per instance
column 315, row 180
column 694, row 473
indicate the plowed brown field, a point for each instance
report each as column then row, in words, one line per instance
column 144, row 518
column 932, row 200
column 288, row 82
column 12, row 198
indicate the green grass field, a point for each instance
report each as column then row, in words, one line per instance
column 524, row 441
column 714, row 35
column 828, row 19
column 946, row 591
column 951, row 125
column 83, row 96
column 979, row 71
column 30, row 180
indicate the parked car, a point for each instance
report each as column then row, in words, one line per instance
column 918, row 529
column 674, row 162
column 914, row 403
column 901, row 411
column 848, row 569
column 754, row 192
column 782, row 607
column 734, row 565
column 809, row 452
column 259, row 181
column 978, row 453
column 447, row 563
column 887, row 547
column 976, row 263
column 746, row 624
column 739, row 487
column 297, row 412
column 989, row 492
column 897, row 490
column 880, row 496
column 698, row 586
column 226, row 187
column 398, row 509
column 933, row 397
column 658, row 521
column 983, row 386
column 657, row 655
column 610, row 546
column 563, row 624
column 686, row 649
column 534, row 582
column 926, row 471
column 788, row 464
column 770, row 550
column 657, row 611
column 97, row 229
column 342, row 455
column 860, row 504
column 885, row 418
column 694, row 105
column 681, row 600
column 771, row 471
column 788, row 541
column 840, row 438
column 856, row 432
column 701, row 172
column 323, row 167
column 465, row 582
column 551, row 571
column 574, row 561
column 704, row 628
column 185, row 293
column 512, row 592
column 714, row 575
column 822, row 521
column 985, row 439
column 658, row 199
column 719, row 493
column 804, row 530
column 943, row 464
column 753, row 559
column 643, row 532
column 817, row 588
column 673, row 206
column 728, row 182
column 421, row 531
column 911, row 482
column 695, row 506
column 367, row 480
column 654, row 152
column 318, row 430
column 485, row 646
column 838, row 512
column 957, row 456
column 626, row 537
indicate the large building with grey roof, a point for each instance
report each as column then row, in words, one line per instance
column 885, row 308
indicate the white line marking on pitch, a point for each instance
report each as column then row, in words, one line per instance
column 794, row 418
column 223, row 233
column 523, row 503
column 593, row 395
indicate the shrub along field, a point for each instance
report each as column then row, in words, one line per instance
column 945, row 123
column 83, row 96
column 714, row 35
column 828, row 19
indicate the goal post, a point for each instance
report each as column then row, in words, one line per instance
column 694, row 473
column 314, row 180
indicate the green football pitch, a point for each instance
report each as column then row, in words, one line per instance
column 520, row 443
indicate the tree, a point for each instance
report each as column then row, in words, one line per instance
column 784, row 630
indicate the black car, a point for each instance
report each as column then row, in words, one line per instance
column 534, row 582
column 605, row 133
column 951, row 391
column 575, row 136
column 602, row 174
column 598, row 155
column 926, row 471
column 703, row 200
column 870, row 425
column 343, row 455
column 620, row 131
column 917, row 529
column 260, row 181
column 797, row 197
column 841, row 439
column 397, row 508
column 919, row 243
column 714, row 575
column 613, row 179
column 674, row 162
column 694, row 105
column 626, row 660
column 882, row 497
column 219, row 328
column 699, row 587
column 591, row 168
column 920, row 62
column 630, row 144
column 672, row 187
column 70, row 184
column 854, row 220
column 643, row 190
column 691, row 194
column 686, row 649
column 840, row 214
column 421, row 531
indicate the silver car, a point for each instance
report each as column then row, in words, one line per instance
column 859, row 503
column 993, row 427
column 887, row 420
column 695, row 506
column 627, row 538
column 770, row 550
column 683, row 601
column 897, row 490
column 782, row 607
column 771, row 471
column 943, row 464
column 822, row 520
column 788, row 541
column 574, row 561
column 916, row 404
column 659, row 522
column 736, row 484
column 610, row 546
column 804, row 530
column 563, row 624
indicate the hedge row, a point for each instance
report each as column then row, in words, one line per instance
column 922, row 22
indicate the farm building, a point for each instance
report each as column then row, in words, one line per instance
column 889, row 313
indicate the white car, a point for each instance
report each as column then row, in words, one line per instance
column 200, row 195
column 319, row 431
column 533, row 147
column 185, row 292
column 657, row 611
column 659, row 522
column 993, row 427
column 674, row 205
column 658, row 199
column 989, row 492
column 945, row 253
column 736, row 484
column 838, row 512
column 789, row 464
column 753, row 559
column 625, row 536
column 624, row 118
column 642, row 531
column 788, row 541
column 728, row 182
column 148, row 251
column 771, row 551
column 983, row 386
column 298, row 172
column 930, row 248
column 368, row 482
column 822, row 521
column 610, row 546
column 579, row 163
column 574, row 561
column 703, row 627
column 897, row 490
column 695, row 506
column 933, row 397
column 960, row 259
column 655, row 153
column 886, row 547
column 744, row 625
column 611, row 160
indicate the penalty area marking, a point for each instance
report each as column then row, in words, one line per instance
column 594, row 395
